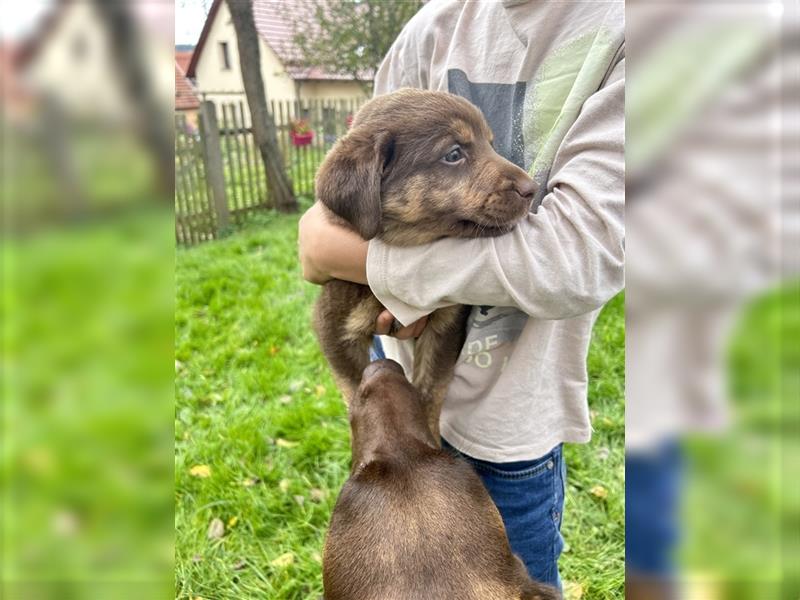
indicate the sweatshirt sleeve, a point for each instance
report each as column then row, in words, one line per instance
column 563, row 260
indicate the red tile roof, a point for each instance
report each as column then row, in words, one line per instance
column 14, row 96
column 185, row 94
column 183, row 58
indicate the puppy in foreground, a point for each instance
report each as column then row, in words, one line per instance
column 416, row 166
column 413, row 521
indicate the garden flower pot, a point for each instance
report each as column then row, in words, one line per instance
column 301, row 139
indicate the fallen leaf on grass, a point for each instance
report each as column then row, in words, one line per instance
column 599, row 492
column 66, row 523
column 316, row 557
column 301, row 500
column 232, row 522
column 239, row 564
column 216, row 529
column 251, row 481
column 319, row 391
column 282, row 443
column 284, row 560
column 317, row 495
column 200, row 471
column 284, row 485
column 572, row 590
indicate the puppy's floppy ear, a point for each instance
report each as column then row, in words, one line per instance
column 349, row 179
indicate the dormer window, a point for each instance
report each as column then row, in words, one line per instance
column 226, row 56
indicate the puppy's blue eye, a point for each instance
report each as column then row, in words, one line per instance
column 453, row 155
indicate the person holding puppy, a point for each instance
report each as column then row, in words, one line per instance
column 549, row 78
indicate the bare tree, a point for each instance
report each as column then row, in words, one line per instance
column 278, row 184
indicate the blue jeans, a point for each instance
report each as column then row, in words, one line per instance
column 376, row 349
column 530, row 497
column 653, row 482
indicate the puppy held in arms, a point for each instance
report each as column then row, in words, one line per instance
column 415, row 167
column 413, row 521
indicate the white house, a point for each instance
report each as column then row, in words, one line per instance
column 215, row 71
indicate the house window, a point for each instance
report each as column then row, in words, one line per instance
column 226, row 55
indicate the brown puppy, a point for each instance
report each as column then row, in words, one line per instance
column 414, row 522
column 416, row 166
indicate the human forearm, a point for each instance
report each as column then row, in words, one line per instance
column 329, row 251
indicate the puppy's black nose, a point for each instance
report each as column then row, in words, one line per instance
column 525, row 187
column 375, row 367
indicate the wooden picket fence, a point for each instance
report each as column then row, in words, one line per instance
column 219, row 174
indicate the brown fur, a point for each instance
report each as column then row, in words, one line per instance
column 413, row 521
column 387, row 178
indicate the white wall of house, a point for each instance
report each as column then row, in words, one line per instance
column 324, row 89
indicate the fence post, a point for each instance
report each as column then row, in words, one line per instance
column 212, row 159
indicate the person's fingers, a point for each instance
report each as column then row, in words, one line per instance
column 412, row 331
column 419, row 326
column 404, row 333
column 383, row 325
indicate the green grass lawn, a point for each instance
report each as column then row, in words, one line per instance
column 262, row 439
column 86, row 475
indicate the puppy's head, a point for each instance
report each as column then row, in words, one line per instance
column 386, row 409
column 419, row 165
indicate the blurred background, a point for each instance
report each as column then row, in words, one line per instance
column 86, row 94
column 712, row 313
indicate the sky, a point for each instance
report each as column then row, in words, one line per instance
column 18, row 19
column 189, row 18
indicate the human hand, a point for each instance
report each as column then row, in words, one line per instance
column 329, row 251
column 383, row 326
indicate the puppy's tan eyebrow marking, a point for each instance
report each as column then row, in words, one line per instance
column 462, row 131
